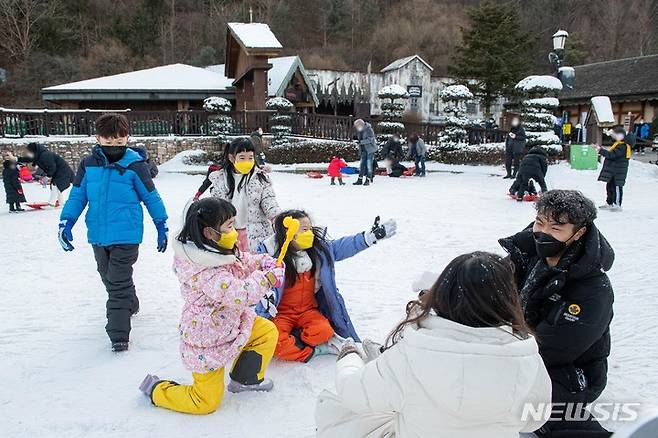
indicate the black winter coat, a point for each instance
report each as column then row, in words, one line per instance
column 13, row 188
column 569, row 307
column 52, row 164
column 392, row 150
column 517, row 144
column 534, row 163
column 615, row 166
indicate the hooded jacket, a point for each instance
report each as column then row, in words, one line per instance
column 52, row 164
column 13, row 188
column 330, row 301
column 262, row 206
column 534, row 163
column 442, row 379
column 114, row 193
column 366, row 139
column 569, row 307
column 219, row 292
column 615, row 165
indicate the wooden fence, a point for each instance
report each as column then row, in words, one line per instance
column 21, row 123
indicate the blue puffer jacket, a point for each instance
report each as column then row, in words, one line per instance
column 330, row 302
column 114, row 192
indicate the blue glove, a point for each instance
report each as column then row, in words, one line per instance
column 65, row 235
column 163, row 235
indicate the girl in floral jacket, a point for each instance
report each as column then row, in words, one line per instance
column 220, row 286
column 249, row 190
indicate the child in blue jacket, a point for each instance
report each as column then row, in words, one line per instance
column 308, row 310
column 113, row 181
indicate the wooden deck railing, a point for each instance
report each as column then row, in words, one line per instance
column 21, row 123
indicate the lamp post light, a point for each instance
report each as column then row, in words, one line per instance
column 567, row 75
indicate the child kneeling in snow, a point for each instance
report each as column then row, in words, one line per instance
column 310, row 312
column 461, row 365
column 532, row 167
column 220, row 286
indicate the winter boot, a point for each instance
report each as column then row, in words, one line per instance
column 367, row 183
column 615, row 208
column 235, row 387
column 119, row 346
column 359, row 182
column 508, row 176
column 322, row 350
column 148, row 384
column 19, row 208
column 605, row 207
column 335, row 343
column 341, row 183
column 333, row 183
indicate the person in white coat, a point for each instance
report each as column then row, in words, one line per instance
column 461, row 365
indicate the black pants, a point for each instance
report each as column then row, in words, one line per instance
column 523, row 184
column 115, row 265
column 615, row 193
column 333, row 179
column 13, row 206
column 512, row 160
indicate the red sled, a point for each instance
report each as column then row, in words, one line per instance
column 526, row 198
column 410, row 171
column 314, row 175
column 37, row 205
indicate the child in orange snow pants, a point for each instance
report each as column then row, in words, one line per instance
column 300, row 323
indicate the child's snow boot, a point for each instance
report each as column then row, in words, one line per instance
column 333, row 183
column 236, row 387
column 119, row 346
column 341, row 183
column 148, row 384
column 359, row 182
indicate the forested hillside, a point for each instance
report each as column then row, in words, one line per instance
column 45, row 42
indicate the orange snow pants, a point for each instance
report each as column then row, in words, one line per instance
column 301, row 325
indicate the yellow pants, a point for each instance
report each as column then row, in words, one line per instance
column 206, row 393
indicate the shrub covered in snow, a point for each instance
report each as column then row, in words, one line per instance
column 454, row 135
column 391, row 111
column 538, row 108
column 281, row 121
column 305, row 150
column 219, row 121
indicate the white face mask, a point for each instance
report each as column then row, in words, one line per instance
column 619, row 137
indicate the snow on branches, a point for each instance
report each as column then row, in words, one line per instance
column 281, row 130
column 537, row 109
column 455, row 98
column 220, row 122
column 393, row 92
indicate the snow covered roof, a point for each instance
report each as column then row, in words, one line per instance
column 278, row 77
column 399, row 63
column 172, row 77
column 603, row 108
column 621, row 79
column 255, row 35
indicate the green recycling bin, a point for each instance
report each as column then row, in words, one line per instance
column 584, row 157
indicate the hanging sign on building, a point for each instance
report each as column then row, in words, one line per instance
column 415, row 90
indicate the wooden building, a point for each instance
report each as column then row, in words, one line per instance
column 631, row 84
column 248, row 78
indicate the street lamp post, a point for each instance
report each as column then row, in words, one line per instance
column 567, row 75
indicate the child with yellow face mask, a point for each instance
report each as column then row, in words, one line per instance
column 307, row 309
column 249, row 190
column 221, row 286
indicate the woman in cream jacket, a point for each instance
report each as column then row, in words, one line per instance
column 461, row 365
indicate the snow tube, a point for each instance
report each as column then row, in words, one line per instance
column 349, row 170
column 526, row 198
column 410, row 171
column 314, row 175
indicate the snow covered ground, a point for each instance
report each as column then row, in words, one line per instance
column 59, row 378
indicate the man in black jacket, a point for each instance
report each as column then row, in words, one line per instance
column 56, row 168
column 514, row 146
column 533, row 166
column 560, row 262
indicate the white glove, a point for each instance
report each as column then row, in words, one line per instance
column 381, row 231
column 348, row 347
column 268, row 302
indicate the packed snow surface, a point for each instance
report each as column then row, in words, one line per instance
column 60, row 378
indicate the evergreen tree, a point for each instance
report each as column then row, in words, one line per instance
column 494, row 52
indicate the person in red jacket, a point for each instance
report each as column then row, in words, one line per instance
column 334, row 169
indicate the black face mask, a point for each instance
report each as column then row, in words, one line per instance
column 114, row 153
column 548, row 246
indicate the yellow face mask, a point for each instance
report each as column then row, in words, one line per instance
column 227, row 240
column 305, row 240
column 243, row 167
